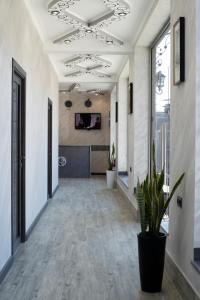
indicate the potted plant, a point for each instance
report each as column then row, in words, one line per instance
column 152, row 204
column 111, row 173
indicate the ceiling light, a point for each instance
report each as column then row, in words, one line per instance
column 81, row 65
column 119, row 10
column 88, row 30
column 63, row 91
column 67, row 41
column 109, row 42
column 55, row 12
column 122, row 14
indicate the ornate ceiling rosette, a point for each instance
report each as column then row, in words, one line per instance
column 87, row 64
column 117, row 10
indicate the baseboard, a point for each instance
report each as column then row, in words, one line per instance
column 183, row 286
column 132, row 207
column 5, row 269
column 55, row 190
column 28, row 233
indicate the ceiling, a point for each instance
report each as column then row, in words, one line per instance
column 88, row 41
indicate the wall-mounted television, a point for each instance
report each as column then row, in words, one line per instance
column 88, row 121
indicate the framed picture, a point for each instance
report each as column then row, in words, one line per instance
column 116, row 112
column 130, row 98
column 179, row 51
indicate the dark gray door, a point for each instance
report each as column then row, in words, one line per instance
column 18, row 162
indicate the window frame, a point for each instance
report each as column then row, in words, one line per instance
column 159, row 36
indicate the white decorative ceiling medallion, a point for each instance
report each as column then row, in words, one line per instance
column 87, row 64
column 117, row 10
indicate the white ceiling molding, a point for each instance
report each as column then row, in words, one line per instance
column 76, row 87
column 88, row 64
column 126, row 51
column 99, row 14
column 88, row 71
column 118, row 10
column 89, row 59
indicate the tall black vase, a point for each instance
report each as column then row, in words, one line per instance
column 151, row 251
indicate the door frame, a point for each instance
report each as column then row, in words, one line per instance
column 49, row 165
column 17, row 70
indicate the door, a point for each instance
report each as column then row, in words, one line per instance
column 18, row 157
column 49, row 148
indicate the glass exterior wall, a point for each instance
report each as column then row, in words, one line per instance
column 160, row 132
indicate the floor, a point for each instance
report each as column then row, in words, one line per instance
column 83, row 248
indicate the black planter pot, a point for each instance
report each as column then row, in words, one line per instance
column 151, row 251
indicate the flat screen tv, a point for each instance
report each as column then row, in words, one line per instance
column 88, row 121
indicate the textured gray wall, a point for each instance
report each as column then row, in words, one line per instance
column 69, row 136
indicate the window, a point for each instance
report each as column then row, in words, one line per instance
column 160, row 127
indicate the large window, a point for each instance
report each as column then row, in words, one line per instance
column 160, row 132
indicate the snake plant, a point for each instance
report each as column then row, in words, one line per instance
column 111, row 159
column 151, row 199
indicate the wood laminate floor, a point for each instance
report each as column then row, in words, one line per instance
column 83, row 248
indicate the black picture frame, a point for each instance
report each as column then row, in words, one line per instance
column 179, row 51
column 130, row 97
column 116, row 112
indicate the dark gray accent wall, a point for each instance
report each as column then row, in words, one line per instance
column 100, row 148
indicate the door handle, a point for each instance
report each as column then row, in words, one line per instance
column 22, row 159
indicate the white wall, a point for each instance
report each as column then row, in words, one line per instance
column 19, row 40
column 122, row 123
column 141, row 112
column 183, row 135
column 185, row 128
column 138, row 122
column 113, row 126
column 184, row 228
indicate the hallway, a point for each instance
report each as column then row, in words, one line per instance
column 83, row 248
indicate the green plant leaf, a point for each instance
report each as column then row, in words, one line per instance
column 161, row 179
column 172, row 193
column 141, row 206
column 151, row 198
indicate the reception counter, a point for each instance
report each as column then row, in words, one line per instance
column 82, row 161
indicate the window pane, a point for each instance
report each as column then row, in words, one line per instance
column 161, row 104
